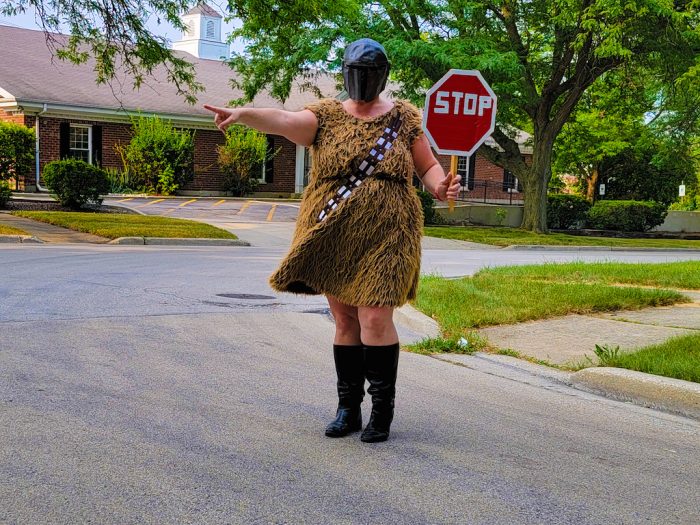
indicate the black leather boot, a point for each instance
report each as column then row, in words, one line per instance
column 381, row 364
column 349, row 365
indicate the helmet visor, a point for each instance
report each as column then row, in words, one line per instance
column 364, row 83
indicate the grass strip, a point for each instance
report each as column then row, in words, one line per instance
column 678, row 358
column 484, row 300
column 510, row 236
column 9, row 230
column 515, row 294
column 113, row 226
column 682, row 274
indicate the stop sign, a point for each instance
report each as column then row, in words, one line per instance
column 459, row 113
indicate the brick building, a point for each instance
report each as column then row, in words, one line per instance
column 75, row 117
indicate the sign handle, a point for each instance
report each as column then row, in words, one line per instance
column 453, row 171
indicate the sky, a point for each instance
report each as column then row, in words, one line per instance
column 27, row 20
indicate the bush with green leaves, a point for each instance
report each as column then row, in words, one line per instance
column 240, row 157
column 566, row 212
column 628, row 216
column 75, row 182
column 430, row 215
column 16, row 150
column 5, row 193
column 120, row 182
column 159, row 158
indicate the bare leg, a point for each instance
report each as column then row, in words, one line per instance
column 349, row 366
column 347, row 325
column 377, row 325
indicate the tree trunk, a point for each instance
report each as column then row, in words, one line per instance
column 535, row 185
column 592, row 184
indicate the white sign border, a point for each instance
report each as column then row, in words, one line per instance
column 450, row 73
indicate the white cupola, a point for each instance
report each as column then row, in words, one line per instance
column 202, row 37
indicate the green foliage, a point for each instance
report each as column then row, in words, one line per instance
column 652, row 170
column 607, row 355
column 116, row 36
column 5, row 193
column 566, row 212
column 687, row 203
column 16, row 150
column 121, row 182
column 539, row 56
column 159, row 158
column 75, row 182
column 430, row 216
column 629, row 216
column 240, row 158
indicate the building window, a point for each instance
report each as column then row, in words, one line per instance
column 190, row 30
column 511, row 184
column 211, row 33
column 465, row 168
column 80, row 143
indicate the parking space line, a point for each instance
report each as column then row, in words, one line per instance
column 218, row 203
column 150, row 202
column 244, row 207
column 186, row 203
column 271, row 212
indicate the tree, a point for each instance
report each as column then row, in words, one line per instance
column 114, row 33
column 539, row 56
column 608, row 119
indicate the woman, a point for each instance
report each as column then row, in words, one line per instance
column 358, row 243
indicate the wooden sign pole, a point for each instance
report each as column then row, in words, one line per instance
column 453, row 172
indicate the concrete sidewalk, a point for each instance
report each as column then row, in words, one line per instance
column 571, row 339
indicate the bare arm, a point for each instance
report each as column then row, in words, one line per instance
column 431, row 173
column 298, row 126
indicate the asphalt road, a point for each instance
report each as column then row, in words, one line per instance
column 146, row 385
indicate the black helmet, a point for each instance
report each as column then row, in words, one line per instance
column 365, row 69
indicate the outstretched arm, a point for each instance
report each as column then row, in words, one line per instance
column 298, row 126
column 431, row 173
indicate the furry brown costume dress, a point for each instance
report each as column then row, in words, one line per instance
column 367, row 252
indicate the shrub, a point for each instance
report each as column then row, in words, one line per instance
column 16, row 150
column 631, row 216
column 120, row 181
column 244, row 151
column 565, row 212
column 5, row 193
column 430, row 216
column 159, row 158
column 75, row 182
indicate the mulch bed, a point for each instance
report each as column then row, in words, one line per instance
column 29, row 205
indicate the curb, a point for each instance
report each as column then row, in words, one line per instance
column 665, row 393
column 24, row 239
column 553, row 248
column 416, row 321
column 175, row 241
column 648, row 390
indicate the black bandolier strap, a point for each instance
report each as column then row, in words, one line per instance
column 367, row 167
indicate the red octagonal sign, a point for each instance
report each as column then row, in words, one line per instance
column 459, row 113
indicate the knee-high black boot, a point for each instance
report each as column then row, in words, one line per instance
column 349, row 365
column 381, row 364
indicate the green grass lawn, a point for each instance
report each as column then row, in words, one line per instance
column 114, row 225
column 9, row 230
column 516, row 294
column 682, row 275
column 509, row 236
column 678, row 357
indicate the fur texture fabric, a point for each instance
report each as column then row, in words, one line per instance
column 367, row 251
